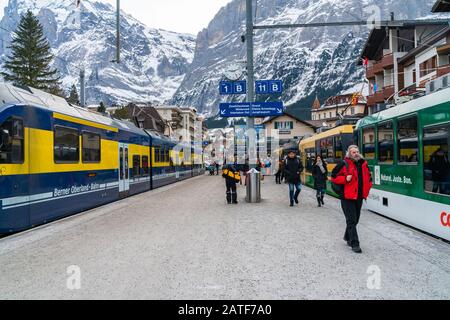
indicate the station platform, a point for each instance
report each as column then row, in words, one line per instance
column 184, row 242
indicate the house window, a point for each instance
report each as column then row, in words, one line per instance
column 285, row 125
column 428, row 66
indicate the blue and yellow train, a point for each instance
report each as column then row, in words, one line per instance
column 57, row 159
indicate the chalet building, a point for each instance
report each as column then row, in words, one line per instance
column 181, row 120
column 339, row 107
column 441, row 6
column 146, row 117
column 402, row 58
column 290, row 127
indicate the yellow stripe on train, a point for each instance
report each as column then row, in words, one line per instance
column 84, row 122
column 39, row 156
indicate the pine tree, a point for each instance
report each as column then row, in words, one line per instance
column 101, row 108
column 122, row 113
column 30, row 59
column 73, row 96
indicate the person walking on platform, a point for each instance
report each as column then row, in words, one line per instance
column 217, row 167
column 352, row 179
column 293, row 167
column 232, row 177
column 320, row 175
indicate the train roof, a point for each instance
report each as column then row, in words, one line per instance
column 10, row 95
column 156, row 137
column 332, row 132
column 412, row 106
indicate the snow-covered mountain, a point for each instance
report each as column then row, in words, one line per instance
column 310, row 61
column 153, row 62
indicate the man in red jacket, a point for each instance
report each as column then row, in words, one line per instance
column 354, row 175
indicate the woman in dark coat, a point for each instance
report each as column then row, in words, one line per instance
column 320, row 175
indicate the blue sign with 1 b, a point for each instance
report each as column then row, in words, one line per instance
column 255, row 109
column 269, row 87
column 232, row 88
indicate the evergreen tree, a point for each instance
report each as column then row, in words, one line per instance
column 30, row 59
column 101, row 108
column 73, row 96
column 122, row 114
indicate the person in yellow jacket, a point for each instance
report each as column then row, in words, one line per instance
column 232, row 178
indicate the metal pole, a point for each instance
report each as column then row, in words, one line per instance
column 250, row 70
column 82, row 89
column 118, row 33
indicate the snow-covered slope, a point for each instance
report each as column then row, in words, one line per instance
column 309, row 61
column 154, row 62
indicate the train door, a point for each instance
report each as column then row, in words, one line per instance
column 14, row 177
column 124, row 170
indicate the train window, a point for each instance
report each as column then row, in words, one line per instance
column 127, row 166
column 408, row 140
column 12, row 141
column 338, row 149
column 145, row 166
column 386, row 143
column 327, row 150
column 122, row 171
column 136, row 166
column 66, row 145
column 91, row 147
column 369, row 143
column 157, row 155
column 436, row 150
column 167, row 155
column 310, row 159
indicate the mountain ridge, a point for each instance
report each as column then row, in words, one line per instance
column 154, row 61
column 310, row 61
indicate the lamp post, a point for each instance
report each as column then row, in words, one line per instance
column 250, row 77
column 118, row 32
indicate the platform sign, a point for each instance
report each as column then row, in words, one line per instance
column 256, row 109
column 262, row 87
column 226, row 88
column 233, row 88
column 275, row 87
column 269, row 87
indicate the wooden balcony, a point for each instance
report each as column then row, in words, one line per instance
column 443, row 70
column 381, row 96
column 378, row 67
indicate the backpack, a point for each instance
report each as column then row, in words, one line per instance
column 339, row 188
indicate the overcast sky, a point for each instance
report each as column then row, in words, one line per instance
column 186, row 16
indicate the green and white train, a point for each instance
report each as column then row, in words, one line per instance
column 408, row 150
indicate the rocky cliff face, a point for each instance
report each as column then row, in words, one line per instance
column 154, row 62
column 310, row 61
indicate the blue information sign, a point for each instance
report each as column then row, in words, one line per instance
column 231, row 88
column 269, row 87
column 255, row 109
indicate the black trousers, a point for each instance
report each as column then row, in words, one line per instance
column 352, row 212
column 278, row 177
column 231, row 191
